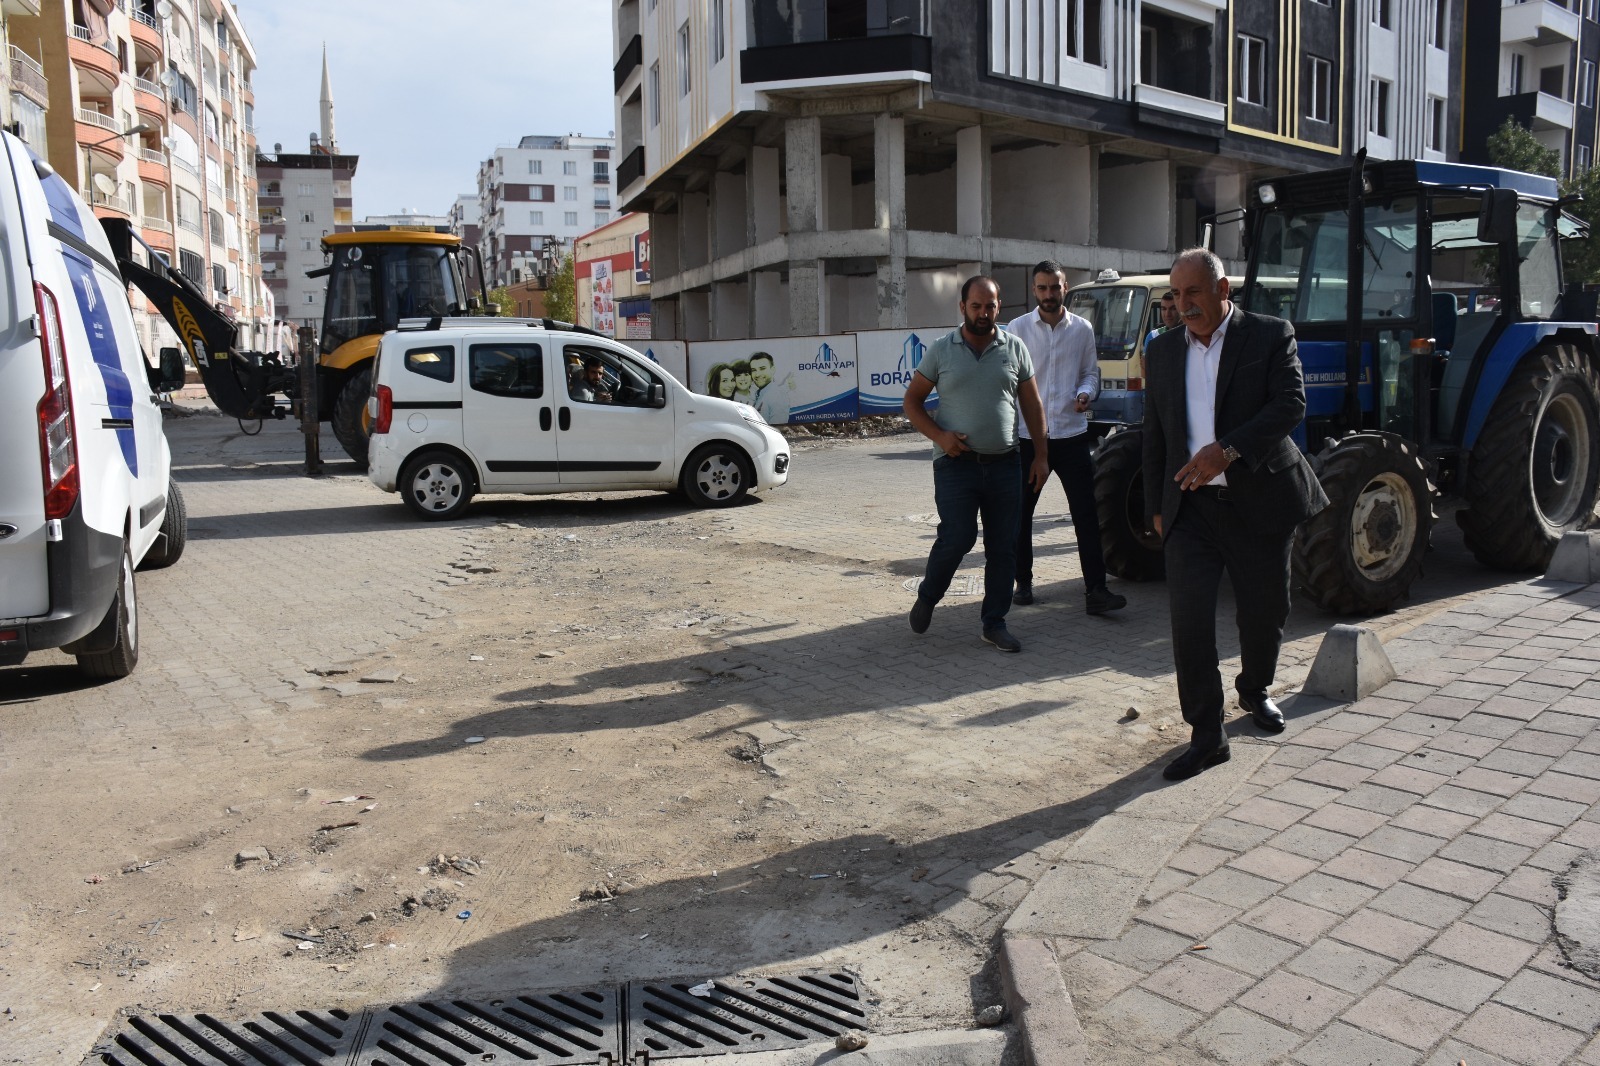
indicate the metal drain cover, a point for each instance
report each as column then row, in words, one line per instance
column 301, row 1038
column 665, row 1020
column 567, row 1027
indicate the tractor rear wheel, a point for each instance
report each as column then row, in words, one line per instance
column 1534, row 469
column 1361, row 553
column 1131, row 553
column 351, row 423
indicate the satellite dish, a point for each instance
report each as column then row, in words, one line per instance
column 168, row 79
column 163, row 8
column 105, row 185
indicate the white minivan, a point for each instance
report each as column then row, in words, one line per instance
column 85, row 494
column 463, row 406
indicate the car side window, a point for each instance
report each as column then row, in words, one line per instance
column 438, row 363
column 514, row 370
column 599, row 376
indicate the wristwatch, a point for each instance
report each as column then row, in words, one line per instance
column 1230, row 453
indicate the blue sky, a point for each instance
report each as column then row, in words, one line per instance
column 424, row 90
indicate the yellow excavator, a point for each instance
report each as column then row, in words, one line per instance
column 376, row 278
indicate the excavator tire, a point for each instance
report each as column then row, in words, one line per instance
column 351, row 423
column 1534, row 472
column 1131, row 552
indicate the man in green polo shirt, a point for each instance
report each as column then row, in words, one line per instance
column 984, row 375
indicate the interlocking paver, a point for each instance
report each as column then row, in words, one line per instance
column 1434, row 821
column 1343, row 818
column 1296, row 1001
column 1199, row 859
column 1311, row 842
column 1342, row 1045
column 1137, row 1009
column 1553, row 745
column 1513, row 917
column 1565, row 786
column 1143, row 947
column 1447, row 983
column 1510, row 828
column 1341, row 966
column 1249, row 950
column 1408, row 779
column 1421, row 905
column 1383, row 933
column 1269, row 813
column 1190, row 915
column 1197, row 983
column 1475, row 850
column 1234, row 887
column 1453, row 878
column 1493, row 782
column 1367, row 868
column 1290, row 920
column 1400, row 843
column 1543, row 809
column 1329, row 893
column 1239, row 1038
column 1565, row 1002
column 1482, row 949
column 1267, row 861
column 1335, row 774
column 1404, row 1019
column 1519, row 1037
column 1462, row 800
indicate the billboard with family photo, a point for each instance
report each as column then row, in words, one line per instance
column 604, row 298
column 671, row 356
column 888, row 358
column 787, row 379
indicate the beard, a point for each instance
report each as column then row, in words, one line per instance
column 1050, row 305
column 981, row 326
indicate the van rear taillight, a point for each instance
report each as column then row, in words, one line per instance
column 385, row 413
column 58, row 441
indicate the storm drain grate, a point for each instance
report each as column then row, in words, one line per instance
column 299, row 1038
column 565, row 1027
column 636, row 1024
column 666, row 1020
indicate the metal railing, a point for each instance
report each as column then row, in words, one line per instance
column 83, row 33
column 148, row 86
column 150, row 155
column 185, row 165
column 95, row 118
column 147, row 19
column 29, row 76
column 115, row 203
column 226, row 94
column 192, row 227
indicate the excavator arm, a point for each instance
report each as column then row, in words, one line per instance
column 241, row 384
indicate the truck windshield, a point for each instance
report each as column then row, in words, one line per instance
column 372, row 287
column 1117, row 313
column 1304, row 254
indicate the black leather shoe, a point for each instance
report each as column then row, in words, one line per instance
column 1263, row 712
column 921, row 615
column 1191, row 763
column 1001, row 638
column 1102, row 600
column 1023, row 596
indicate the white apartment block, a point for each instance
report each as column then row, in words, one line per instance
column 536, row 199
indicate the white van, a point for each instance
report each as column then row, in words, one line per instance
column 85, row 493
column 463, row 406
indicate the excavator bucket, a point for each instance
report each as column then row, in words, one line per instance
column 237, row 382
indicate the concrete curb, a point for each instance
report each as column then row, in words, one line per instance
column 1040, row 1004
column 974, row 1047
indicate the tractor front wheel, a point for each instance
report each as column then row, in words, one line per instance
column 351, row 423
column 1132, row 553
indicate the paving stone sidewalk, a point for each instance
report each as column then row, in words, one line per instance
column 1380, row 889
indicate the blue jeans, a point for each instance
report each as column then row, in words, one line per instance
column 963, row 489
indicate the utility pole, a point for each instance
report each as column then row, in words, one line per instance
column 309, row 420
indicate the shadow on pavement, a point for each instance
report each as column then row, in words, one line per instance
column 32, row 681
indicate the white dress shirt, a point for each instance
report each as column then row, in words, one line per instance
column 1065, row 366
column 1200, row 375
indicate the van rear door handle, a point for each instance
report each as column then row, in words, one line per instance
column 544, row 419
column 566, row 419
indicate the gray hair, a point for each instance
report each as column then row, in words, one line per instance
column 1202, row 257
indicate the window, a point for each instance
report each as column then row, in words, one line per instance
column 191, row 266
column 569, row 167
column 1436, row 123
column 311, row 297
column 655, row 92
column 219, row 277
column 601, row 218
column 1585, row 154
column 1514, row 82
column 536, row 166
column 596, row 375
column 1250, row 70
column 569, row 192
column 571, row 218
column 1553, row 82
column 535, row 218
column 602, row 171
column 305, row 245
column 1380, row 13
column 1378, row 108
column 514, row 370
column 1319, row 89
column 438, row 363
column 719, row 47
column 308, row 216
column 683, row 60
column 1441, row 22
column 1586, row 83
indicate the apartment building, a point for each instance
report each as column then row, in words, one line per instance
column 812, row 166
column 304, row 197
column 1535, row 64
column 535, row 199
column 146, row 107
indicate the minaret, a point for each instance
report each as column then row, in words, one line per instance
column 328, row 142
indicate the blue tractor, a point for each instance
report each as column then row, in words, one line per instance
column 1457, row 364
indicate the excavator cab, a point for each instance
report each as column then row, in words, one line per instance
column 376, row 278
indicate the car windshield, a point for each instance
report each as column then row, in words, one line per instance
column 1305, row 255
column 1117, row 313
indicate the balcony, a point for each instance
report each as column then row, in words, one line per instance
column 153, row 167
column 103, row 202
column 631, row 169
column 190, row 227
column 1154, row 98
column 185, row 165
column 810, row 42
column 100, row 57
column 1538, row 22
column 27, row 77
column 632, row 57
column 1536, row 111
column 144, row 28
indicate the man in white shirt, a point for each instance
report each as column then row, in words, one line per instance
column 1063, row 351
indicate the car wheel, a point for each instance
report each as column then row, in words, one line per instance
column 174, row 534
column 122, row 618
column 717, row 475
column 436, row 485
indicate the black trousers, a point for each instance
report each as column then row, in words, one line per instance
column 1206, row 539
column 1072, row 461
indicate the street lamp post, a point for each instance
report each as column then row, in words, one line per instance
column 142, row 127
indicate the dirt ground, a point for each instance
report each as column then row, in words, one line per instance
column 633, row 740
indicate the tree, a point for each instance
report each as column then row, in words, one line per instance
column 1515, row 148
column 501, row 303
column 560, row 299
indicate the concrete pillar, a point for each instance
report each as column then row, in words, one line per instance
column 1230, row 196
column 889, row 213
column 763, row 203
column 972, row 182
column 729, row 215
column 836, row 208
column 802, row 165
column 694, row 230
column 664, row 258
column 769, row 310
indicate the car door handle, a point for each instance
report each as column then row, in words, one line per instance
column 544, row 419
column 566, row 418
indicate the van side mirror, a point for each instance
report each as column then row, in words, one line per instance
column 658, row 395
column 1497, row 217
column 172, row 369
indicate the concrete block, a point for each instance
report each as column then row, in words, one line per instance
column 1351, row 664
column 982, row 1047
column 1079, row 900
column 1577, row 558
column 1040, row 1004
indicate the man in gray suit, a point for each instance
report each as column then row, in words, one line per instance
column 1225, row 487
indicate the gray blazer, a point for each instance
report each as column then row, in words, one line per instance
column 1261, row 398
